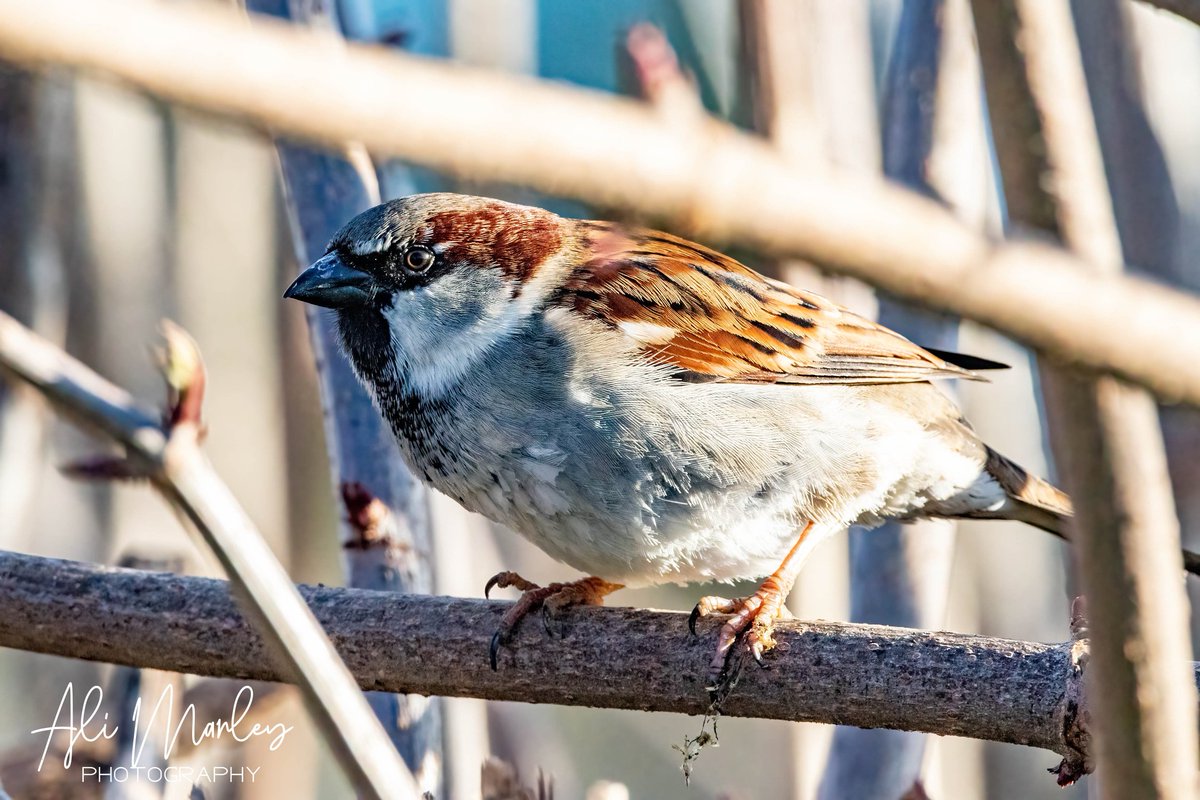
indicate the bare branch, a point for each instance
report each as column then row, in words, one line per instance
column 864, row 675
column 715, row 182
column 1105, row 433
column 172, row 459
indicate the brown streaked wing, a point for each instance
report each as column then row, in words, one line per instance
column 712, row 318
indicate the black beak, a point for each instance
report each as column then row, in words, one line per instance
column 330, row 283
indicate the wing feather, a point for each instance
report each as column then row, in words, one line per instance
column 712, row 318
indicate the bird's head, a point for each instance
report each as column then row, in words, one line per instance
column 428, row 283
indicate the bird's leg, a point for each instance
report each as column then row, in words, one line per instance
column 550, row 599
column 754, row 616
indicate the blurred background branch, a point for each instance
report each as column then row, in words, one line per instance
column 933, row 142
column 1105, row 433
column 36, row 221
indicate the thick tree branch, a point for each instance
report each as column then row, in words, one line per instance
column 864, row 675
column 707, row 178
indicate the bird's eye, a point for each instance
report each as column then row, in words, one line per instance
column 419, row 259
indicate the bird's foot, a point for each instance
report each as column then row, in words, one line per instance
column 753, row 622
column 551, row 599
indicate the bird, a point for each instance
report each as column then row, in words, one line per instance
column 646, row 409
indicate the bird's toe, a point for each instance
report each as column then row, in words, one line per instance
column 752, row 623
column 549, row 600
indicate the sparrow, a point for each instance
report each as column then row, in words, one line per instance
column 646, row 409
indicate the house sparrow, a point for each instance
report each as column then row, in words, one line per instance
column 645, row 409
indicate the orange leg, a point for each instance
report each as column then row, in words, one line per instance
column 550, row 599
column 753, row 616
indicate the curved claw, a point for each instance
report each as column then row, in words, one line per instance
column 757, row 652
column 494, row 650
column 487, row 588
column 692, row 619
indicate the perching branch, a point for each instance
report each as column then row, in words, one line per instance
column 168, row 454
column 865, row 675
column 706, row 178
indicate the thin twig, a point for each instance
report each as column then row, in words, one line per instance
column 171, row 458
column 710, row 179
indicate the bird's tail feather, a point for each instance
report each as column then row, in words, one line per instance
column 1039, row 503
column 1033, row 500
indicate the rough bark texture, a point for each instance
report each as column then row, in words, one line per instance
column 864, row 675
column 619, row 154
column 1105, row 433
